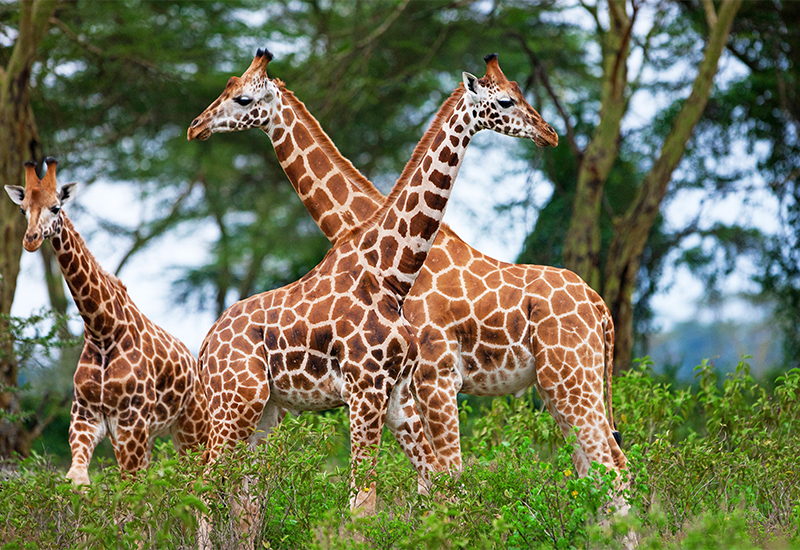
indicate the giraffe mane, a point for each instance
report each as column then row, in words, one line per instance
column 113, row 279
column 327, row 145
column 411, row 166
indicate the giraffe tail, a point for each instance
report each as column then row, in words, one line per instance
column 608, row 337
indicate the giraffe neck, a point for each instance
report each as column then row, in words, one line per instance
column 97, row 294
column 407, row 223
column 335, row 193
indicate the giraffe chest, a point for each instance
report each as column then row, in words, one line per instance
column 131, row 386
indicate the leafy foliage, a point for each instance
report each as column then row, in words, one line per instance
column 711, row 466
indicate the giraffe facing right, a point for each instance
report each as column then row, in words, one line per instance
column 485, row 327
column 337, row 336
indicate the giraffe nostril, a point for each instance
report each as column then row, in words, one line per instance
column 550, row 128
column 195, row 122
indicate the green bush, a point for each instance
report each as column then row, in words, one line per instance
column 711, row 465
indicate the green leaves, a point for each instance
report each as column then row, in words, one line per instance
column 712, row 465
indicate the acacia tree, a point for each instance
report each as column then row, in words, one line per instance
column 761, row 111
column 633, row 216
column 20, row 140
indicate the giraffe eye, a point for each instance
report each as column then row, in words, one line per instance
column 243, row 100
column 505, row 103
column 21, row 210
column 55, row 209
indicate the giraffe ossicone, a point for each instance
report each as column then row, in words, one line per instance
column 134, row 381
column 485, row 327
column 337, row 336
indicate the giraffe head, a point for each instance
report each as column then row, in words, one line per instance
column 498, row 104
column 41, row 203
column 248, row 101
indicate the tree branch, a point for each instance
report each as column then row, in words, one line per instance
column 157, row 228
column 91, row 48
column 383, row 27
column 711, row 16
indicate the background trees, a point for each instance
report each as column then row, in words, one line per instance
column 114, row 85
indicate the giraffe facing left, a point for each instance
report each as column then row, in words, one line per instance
column 134, row 381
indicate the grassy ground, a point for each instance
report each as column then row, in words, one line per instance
column 714, row 465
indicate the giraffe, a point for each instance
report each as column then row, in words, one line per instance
column 337, row 336
column 485, row 327
column 134, row 381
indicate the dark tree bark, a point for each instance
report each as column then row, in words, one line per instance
column 582, row 252
column 632, row 228
column 20, row 142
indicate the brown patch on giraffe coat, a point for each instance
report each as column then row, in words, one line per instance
column 321, row 309
column 283, row 149
column 320, row 203
column 435, row 201
column 411, row 202
column 422, row 226
column 295, row 170
column 294, row 360
column 367, row 288
column 409, row 261
column 389, row 247
column 319, row 163
column 356, row 349
column 390, row 221
column 331, row 224
column 302, row 137
column 563, row 301
column 440, row 180
column 304, row 186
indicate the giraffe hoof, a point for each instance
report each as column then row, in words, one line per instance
column 617, row 437
column 78, row 478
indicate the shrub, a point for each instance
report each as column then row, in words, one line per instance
column 713, row 465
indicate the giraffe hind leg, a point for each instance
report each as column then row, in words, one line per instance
column 437, row 395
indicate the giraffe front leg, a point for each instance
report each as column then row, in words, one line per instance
column 132, row 443
column 436, row 393
column 367, row 416
column 86, row 430
column 232, row 420
column 405, row 424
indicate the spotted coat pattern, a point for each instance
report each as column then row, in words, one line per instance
column 337, row 337
column 134, row 381
column 485, row 327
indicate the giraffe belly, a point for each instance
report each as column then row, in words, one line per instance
column 299, row 392
column 497, row 374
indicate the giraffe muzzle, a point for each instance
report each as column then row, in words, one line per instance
column 198, row 130
column 546, row 139
column 32, row 241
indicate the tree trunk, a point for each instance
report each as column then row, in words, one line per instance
column 20, row 143
column 582, row 244
column 633, row 227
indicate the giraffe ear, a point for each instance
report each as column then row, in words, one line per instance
column 67, row 192
column 16, row 193
column 470, row 85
